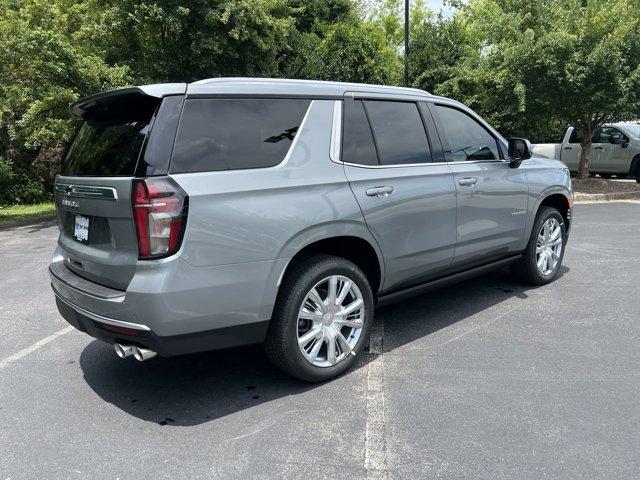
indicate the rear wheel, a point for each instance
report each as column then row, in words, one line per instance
column 543, row 256
column 322, row 318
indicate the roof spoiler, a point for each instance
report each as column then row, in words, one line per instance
column 102, row 100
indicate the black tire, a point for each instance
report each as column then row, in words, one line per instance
column 634, row 171
column 526, row 269
column 281, row 344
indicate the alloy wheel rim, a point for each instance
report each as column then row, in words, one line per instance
column 330, row 321
column 549, row 246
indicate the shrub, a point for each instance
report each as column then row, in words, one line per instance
column 19, row 186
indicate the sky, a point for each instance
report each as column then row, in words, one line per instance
column 435, row 5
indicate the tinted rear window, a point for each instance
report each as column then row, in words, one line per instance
column 399, row 132
column 230, row 134
column 109, row 141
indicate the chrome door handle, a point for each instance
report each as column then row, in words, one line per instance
column 467, row 182
column 379, row 191
column 598, row 148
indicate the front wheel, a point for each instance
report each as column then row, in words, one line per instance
column 543, row 256
column 322, row 318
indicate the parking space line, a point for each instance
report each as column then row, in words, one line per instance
column 26, row 351
column 375, row 458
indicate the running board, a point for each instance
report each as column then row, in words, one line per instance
column 444, row 281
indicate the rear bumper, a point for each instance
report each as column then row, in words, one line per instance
column 171, row 307
column 104, row 329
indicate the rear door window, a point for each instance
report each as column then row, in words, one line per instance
column 399, row 132
column 230, row 134
column 358, row 146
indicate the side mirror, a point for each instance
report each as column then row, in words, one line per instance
column 519, row 150
column 618, row 139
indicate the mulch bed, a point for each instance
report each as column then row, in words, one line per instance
column 598, row 185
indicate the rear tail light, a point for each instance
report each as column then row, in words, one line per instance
column 160, row 215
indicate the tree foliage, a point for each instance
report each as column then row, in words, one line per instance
column 531, row 67
column 54, row 52
column 45, row 65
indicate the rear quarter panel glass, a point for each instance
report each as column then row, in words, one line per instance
column 258, row 215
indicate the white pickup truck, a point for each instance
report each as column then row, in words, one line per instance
column 615, row 150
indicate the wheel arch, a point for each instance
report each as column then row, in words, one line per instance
column 557, row 196
column 352, row 248
column 349, row 240
column 560, row 202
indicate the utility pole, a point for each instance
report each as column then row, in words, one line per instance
column 406, row 43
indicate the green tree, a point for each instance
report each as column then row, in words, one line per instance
column 601, row 80
column 355, row 52
column 56, row 51
column 45, row 66
column 186, row 40
column 534, row 66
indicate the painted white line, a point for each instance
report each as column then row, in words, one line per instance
column 34, row 347
column 375, row 458
column 587, row 202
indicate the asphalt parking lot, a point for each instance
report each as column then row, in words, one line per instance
column 485, row 379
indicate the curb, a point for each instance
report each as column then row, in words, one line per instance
column 605, row 197
column 25, row 222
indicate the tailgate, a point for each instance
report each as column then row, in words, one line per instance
column 97, row 233
column 126, row 134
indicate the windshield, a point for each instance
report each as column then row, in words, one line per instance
column 633, row 129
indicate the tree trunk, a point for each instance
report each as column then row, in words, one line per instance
column 585, row 155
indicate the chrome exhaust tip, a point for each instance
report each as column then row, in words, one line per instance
column 142, row 354
column 123, row 351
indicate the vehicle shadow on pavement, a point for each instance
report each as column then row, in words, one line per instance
column 195, row 389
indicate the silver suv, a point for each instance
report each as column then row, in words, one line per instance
column 235, row 211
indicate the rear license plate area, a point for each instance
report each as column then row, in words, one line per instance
column 81, row 228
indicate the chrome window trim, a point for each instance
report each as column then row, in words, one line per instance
column 336, row 132
column 426, row 164
column 86, row 191
column 389, row 96
column 336, row 144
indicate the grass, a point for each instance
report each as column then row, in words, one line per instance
column 20, row 212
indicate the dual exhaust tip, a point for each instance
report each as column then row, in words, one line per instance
column 140, row 354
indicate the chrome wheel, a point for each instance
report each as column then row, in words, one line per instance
column 549, row 246
column 330, row 321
